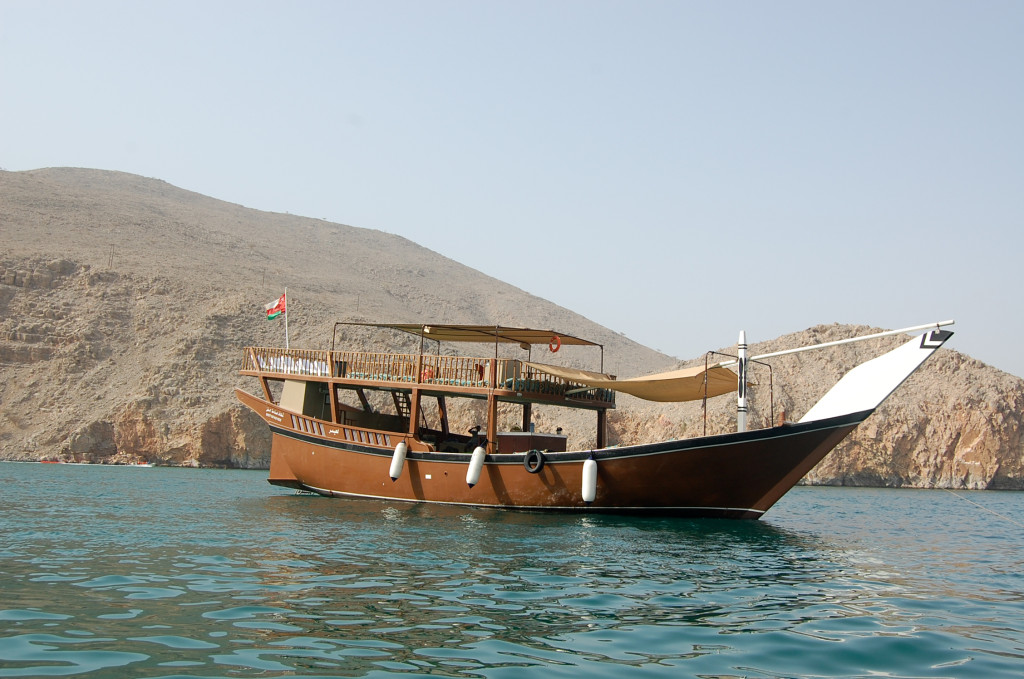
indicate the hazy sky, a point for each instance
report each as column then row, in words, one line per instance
column 676, row 171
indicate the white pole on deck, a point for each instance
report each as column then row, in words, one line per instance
column 286, row 319
column 741, row 389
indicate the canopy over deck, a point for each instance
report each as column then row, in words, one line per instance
column 483, row 333
column 687, row 384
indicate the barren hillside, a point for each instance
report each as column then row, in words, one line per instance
column 126, row 302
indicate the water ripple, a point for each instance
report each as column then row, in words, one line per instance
column 222, row 575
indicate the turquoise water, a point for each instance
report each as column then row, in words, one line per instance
column 152, row 572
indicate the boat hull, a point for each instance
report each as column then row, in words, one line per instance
column 731, row 476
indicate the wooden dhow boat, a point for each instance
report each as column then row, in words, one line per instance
column 332, row 435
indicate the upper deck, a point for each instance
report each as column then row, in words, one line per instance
column 475, row 377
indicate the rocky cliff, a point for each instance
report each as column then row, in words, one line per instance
column 125, row 303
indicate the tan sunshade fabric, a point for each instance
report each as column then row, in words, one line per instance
column 483, row 333
column 678, row 385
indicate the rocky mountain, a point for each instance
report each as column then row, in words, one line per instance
column 125, row 303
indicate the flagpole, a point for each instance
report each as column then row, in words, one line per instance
column 286, row 318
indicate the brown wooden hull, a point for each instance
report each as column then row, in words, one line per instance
column 732, row 475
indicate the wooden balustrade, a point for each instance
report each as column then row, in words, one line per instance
column 310, row 362
column 539, row 382
column 449, row 371
column 375, row 366
column 456, row 371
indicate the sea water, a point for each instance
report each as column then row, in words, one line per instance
column 162, row 572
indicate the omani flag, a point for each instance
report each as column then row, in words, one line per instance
column 276, row 308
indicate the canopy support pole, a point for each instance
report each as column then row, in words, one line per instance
column 741, row 387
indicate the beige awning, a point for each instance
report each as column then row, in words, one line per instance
column 677, row 385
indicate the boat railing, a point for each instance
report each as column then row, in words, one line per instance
column 380, row 367
column 310, row 362
column 457, row 371
column 440, row 370
column 539, row 382
column 362, row 435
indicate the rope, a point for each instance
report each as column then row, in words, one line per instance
column 1005, row 518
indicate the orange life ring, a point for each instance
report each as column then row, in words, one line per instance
column 555, row 344
column 427, row 374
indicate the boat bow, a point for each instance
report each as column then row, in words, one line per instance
column 866, row 386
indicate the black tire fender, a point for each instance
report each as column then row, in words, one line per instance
column 534, row 461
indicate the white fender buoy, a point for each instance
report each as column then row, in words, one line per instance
column 476, row 464
column 398, row 460
column 589, row 480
